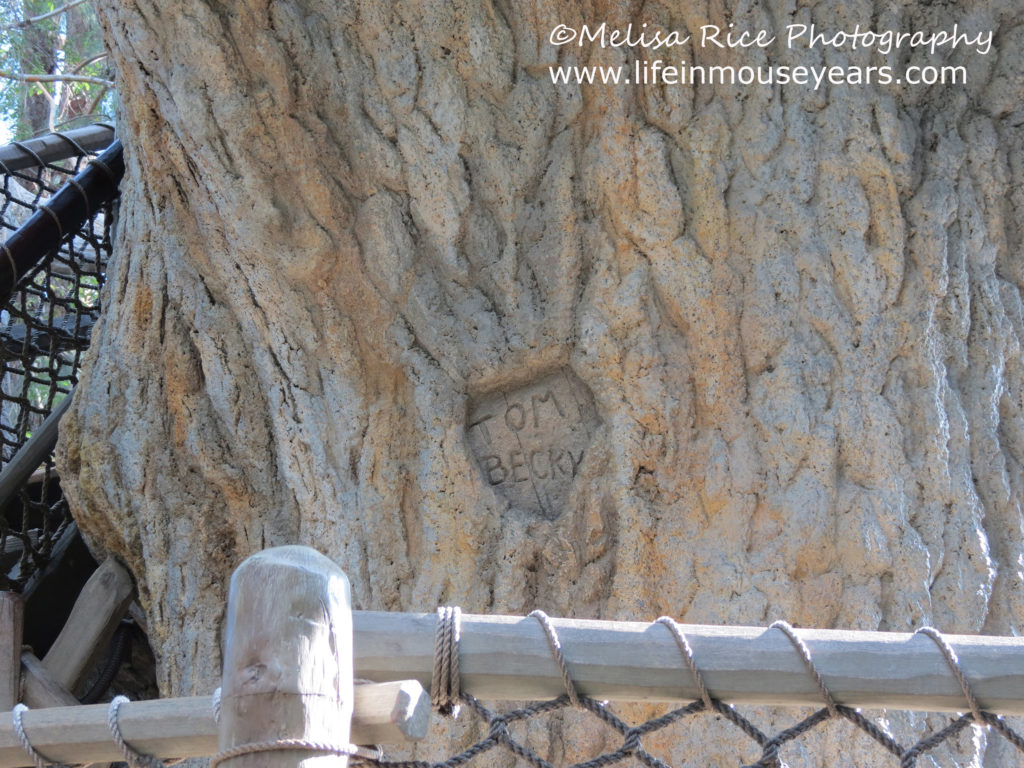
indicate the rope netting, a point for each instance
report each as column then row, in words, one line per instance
column 44, row 332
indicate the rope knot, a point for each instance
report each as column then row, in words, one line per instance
column 770, row 757
column 632, row 741
column 498, row 729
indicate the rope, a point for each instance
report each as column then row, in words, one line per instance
column 26, row 743
column 56, row 219
column 216, row 705
column 132, row 756
column 85, row 197
column 278, row 745
column 805, row 655
column 106, row 170
column 75, row 146
column 446, row 682
column 688, row 658
column 10, row 260
column 29, row 151
column 556, row 653
column 954, row 664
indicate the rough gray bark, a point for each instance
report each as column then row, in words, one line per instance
column 347, row 225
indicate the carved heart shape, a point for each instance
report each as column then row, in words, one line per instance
column 531, row 441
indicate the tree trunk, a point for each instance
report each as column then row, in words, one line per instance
column 40, row 47
column 728, row 353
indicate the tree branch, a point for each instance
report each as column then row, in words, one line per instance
column 95, row 103
column 57, row 79
column 98, row 57
column 43, row 17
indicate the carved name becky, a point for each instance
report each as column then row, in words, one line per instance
column 530, row 442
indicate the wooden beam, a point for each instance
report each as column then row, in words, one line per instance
column 34, row 452
column 100, row 606
column 287, row 660
column 39, row 689
column 386, row 713
column 507, row 658
column 390, row 713
column 12, row 624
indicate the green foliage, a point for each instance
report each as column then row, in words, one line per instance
column 68, row 43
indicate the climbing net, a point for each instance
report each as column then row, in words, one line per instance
column 44, row 332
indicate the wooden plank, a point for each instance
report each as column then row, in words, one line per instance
column 507, row 658
column 390, row 713
column 99, row 608
column 38, row 686
column 184, row 727
column 12, row 623
column 34, row 452
column 168, row 727
column 287, row 659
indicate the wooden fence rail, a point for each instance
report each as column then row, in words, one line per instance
column 507, row 658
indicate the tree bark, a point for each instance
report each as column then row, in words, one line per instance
column 779, row 326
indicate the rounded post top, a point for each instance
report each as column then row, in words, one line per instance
column 292, row 556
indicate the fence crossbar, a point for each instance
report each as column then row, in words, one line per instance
column 185, row 727
column 508, row 658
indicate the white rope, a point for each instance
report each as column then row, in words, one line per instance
column 279, row 745
column 556, row 652
column 954, row 664
column 26, row 743
column 132, row 756
column 689, row 659
column 805, row 655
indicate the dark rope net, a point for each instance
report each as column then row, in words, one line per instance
column 44, row 332
column 501, row 736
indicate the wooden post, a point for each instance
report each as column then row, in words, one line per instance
column 287, row 660
column 99, row 608
column 12, row 622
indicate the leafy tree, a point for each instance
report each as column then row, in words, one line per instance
column 54, row 69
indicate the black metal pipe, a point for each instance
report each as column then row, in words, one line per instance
column 54, row 147
column 59, row 217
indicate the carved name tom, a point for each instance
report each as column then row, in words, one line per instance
column 530, row 442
